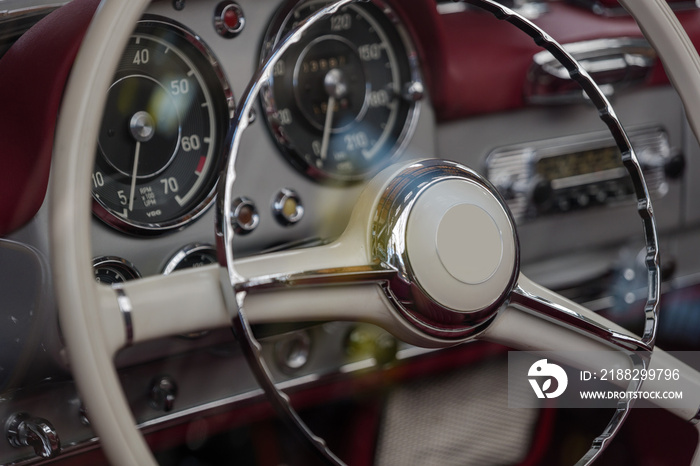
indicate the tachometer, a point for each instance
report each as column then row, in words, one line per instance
column 342, row 101
column 159, row 145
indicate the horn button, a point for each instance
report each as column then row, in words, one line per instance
column 469, row 244
column 454, row 244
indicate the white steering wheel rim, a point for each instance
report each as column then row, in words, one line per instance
column 80, row 116
column 81, row 113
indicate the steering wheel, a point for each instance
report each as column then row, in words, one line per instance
column 431, row 297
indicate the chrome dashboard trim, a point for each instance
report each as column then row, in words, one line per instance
column 530, row 9
column 615, row 63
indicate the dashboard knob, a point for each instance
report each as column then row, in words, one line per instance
column 163, row 393
column 541, row 193
column 537, row 189
column 22, row 430
column 674, row 166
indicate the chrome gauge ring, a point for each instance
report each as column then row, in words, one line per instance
column 112, row 269
column 192, row 255
column 343, row 100
column 159, row 145
column 637, row 349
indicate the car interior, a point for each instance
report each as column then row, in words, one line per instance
column 300, row 232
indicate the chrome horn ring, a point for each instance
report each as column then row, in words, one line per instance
column 639, row 350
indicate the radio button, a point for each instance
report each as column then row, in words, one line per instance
column 563, row 203
column 582, row 199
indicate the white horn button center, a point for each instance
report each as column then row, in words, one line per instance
column 469, row 244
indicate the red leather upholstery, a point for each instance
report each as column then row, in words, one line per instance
column 33, row 74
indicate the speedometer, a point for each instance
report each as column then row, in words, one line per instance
column 159, row 145
column 342, row 101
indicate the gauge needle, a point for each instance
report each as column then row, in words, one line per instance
column 327, row 127
column 133, row 176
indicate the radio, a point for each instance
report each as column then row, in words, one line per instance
column 580, row 172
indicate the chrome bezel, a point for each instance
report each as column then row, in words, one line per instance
column 147, row 229
column 244, row 228
column 278, row 202
column 220, row 25
column 273, row 36
column 184, row 253
column 118, row 264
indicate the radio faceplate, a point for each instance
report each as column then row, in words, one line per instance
column 574, row 173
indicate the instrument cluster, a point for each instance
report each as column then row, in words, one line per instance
column 340, row 106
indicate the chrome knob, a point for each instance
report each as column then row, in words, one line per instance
column 22, row 430
column 163, row 393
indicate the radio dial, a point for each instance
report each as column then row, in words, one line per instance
column 579, row 172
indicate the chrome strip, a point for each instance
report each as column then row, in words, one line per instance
column 451, row 8
column 345, row 276
column 530, row 9
column 126, row 309
column 619, row 62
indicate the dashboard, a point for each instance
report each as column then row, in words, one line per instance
column 376, row 83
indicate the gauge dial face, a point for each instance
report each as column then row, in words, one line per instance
column 338, row 102
column 109, row 270
column 159, row 144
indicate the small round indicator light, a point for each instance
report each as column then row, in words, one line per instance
column 245, row 217
column 287, row 207
column 229, row 20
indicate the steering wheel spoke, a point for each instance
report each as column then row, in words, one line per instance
column 575, row 332
column 196, row 299
column 163, row 305
column 530, row 297
column 355, row 293
column 334, row 282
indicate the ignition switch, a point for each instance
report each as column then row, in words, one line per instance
column 22, row 430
